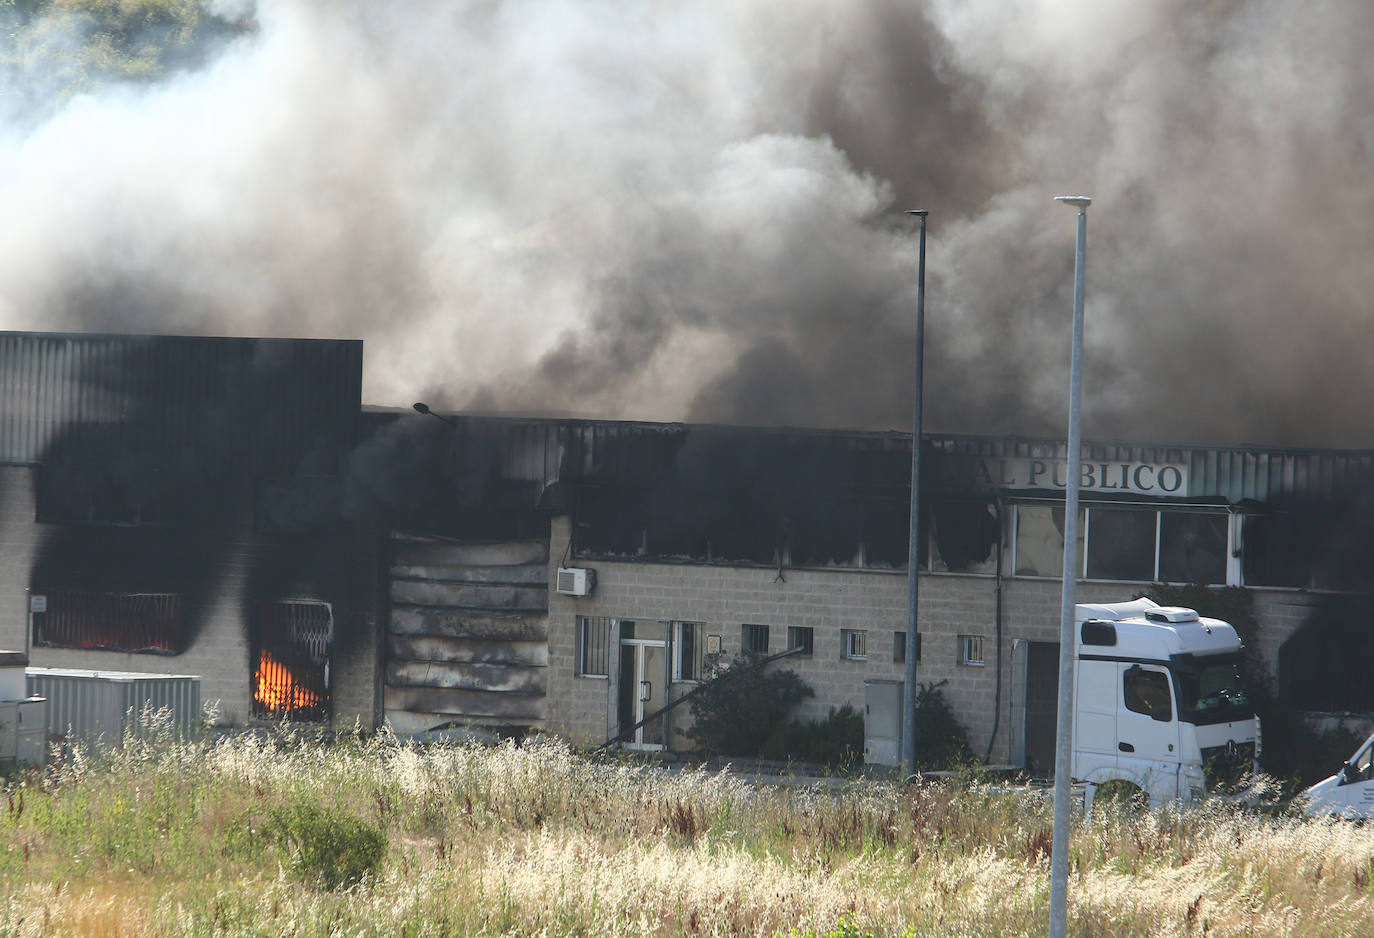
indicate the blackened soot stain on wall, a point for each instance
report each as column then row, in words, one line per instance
column 728, row 494
column 168, row 496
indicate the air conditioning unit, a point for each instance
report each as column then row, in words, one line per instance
column 575, row 581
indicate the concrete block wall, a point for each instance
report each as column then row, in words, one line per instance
column 951, row 605
column 725, row 598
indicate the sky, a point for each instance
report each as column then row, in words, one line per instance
column 696, row 209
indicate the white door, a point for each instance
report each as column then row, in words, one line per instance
column 1147, row 730
column 643, row 691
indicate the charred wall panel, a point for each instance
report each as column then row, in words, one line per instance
column 468, row 636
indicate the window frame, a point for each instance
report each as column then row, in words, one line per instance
column 807, row 634
column 854, row 644
column 169, row 637
column 748, row 633
column 972, row 651
column 698, row 651
column 1231, row 571
column 582, row 655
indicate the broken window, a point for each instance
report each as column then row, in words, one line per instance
column 136, row 622
column 1121, row 544
column 1039, row 542
column 1192, row 547
column 292, row 648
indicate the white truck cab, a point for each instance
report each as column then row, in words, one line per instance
column 1350, row 791
column 1158, row 701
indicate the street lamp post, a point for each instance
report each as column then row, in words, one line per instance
column 1059, row 847
column 913, row 562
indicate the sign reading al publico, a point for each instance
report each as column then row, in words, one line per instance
column 1138, row 478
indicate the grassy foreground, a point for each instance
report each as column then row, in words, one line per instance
column 243, row 835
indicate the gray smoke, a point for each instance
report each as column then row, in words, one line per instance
column 693, row 210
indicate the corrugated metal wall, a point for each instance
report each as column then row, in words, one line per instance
column 611, row 452
column 96, row 706
column 1234, row 474
column 167, row 393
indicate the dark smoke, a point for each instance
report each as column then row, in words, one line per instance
column 693, row 211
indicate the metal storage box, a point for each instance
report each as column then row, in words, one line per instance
column 103, row 705
column 22, row 732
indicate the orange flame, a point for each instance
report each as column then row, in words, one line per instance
column 276, row 687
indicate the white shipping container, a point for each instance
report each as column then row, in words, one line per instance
column 95, row 706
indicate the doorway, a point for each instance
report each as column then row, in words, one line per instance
column 1042, row 706
column 643, row 684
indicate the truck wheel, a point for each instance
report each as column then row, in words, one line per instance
column 1120, row 794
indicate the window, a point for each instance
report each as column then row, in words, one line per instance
column 854, row 644
column 689, row 651
column 899, row 647
column 593, row 646
column 1121, row 544
column 753, row 639
column 803, row 637
column 1147, row 692
column 292, row 642
column 1192, row 547
column 1133, row 543
column 1039, row 542
column 137, row 622
column 971, row 650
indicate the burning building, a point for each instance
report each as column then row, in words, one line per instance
column 225, row 507
column 642, row 546
column 172, row 504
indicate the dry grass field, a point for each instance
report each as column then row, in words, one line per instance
column 280, row 835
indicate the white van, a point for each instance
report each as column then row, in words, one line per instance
column 1158, row 701
column 1350, row 791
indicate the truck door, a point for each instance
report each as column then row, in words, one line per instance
column 1095, row 717
column 1356, row 789
column 1147, row 730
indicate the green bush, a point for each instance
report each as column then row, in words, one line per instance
column 836, row 741
column 328, row 846
column 739, row 712
column 941, row 742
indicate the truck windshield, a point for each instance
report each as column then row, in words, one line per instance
column 1210, row 690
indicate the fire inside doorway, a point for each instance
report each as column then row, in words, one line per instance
column 291, row 653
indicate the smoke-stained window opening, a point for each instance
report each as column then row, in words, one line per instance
column 291, row 651
column 142, row 623
column 1125, row 543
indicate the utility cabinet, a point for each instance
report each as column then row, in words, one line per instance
column 23, row 732
column 23, row 719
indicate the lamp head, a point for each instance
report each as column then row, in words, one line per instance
column 1082, row 201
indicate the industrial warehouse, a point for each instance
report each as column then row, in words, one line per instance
column 227, row 508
